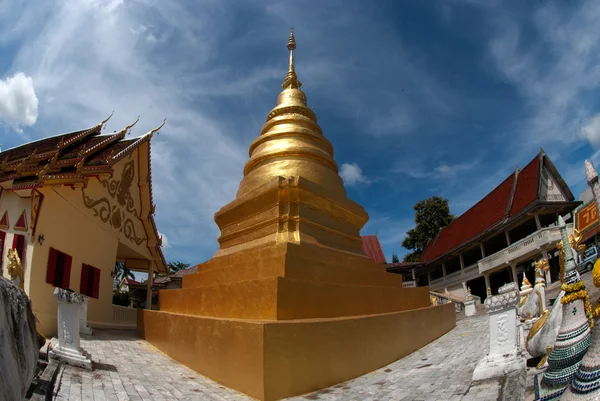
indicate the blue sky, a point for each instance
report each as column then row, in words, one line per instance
column 419, row 98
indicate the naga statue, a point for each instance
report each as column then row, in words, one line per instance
column 543, row 332
column 15, row 269
column 533, row 304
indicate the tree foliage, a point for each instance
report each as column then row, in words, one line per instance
column 431, row 215
column 122, row 272
column 174, row 267
column 395, row 258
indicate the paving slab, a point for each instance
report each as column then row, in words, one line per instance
column 128, row 368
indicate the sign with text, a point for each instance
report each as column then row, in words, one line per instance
column 587, row 217
column 409, row 284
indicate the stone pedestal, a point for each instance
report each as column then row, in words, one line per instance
column 83, row 327
column 68, row 349
column 470, row 309
column 504, row 355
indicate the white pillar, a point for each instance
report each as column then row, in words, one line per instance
column 444, row 270
column 538, row 223
column 488, row 287
column 149, row 285
column 68, row 349
column 514, row 273
column 413, row 275
column 428, row 278
column 83, row 326
column 507, row 235
column 482, row 249
column 462, row 261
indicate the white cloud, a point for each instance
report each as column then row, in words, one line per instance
column 353, row 175
column 591, row 130
column 165, row 241
column 18, row 101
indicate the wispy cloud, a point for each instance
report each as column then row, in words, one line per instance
column 553, row 73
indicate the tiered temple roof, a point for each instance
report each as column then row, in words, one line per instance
column 518, row 195
column 71, row 159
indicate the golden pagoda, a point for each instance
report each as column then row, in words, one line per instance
column 290, row 304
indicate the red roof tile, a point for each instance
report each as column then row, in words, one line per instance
column 527, row 186
column 372, row 248
column 487, row 212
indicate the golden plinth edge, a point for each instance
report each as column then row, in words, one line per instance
column 290, row 304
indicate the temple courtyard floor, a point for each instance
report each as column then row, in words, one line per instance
column 128, row 368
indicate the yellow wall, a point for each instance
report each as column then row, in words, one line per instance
column 271, row 360
column 70, row 231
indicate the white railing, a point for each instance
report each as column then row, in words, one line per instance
column 461, row 276
column 124, row 316
column 530, row 244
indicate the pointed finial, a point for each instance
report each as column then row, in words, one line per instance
column 590, row 173
column 569, row 261
column 291, row 40
column 157, row 128
column 125, row 130
column 291, row 80
column 101, row 125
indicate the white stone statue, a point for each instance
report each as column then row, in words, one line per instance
column 533, row 305
column 504, row 355
column 68, row 349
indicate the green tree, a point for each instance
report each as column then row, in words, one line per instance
column 431, row 215
column 122, row 272
column 395, row 258
column 174, row 267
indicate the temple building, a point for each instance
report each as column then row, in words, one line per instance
column 290, row 303
column 71, row 206
column 497, row 240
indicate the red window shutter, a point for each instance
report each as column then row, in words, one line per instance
column 83, row 283
column 66, row 279
column 20, row 246
column 2, row 239
column 96, row 291
column 51, row 268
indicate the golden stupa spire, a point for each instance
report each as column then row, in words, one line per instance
column 291, row 80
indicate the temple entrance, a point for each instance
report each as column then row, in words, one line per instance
column 499, row 278
column 477, row 287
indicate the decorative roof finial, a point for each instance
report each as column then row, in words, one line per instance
column 590, row 172
column 291, row 80
column 152, row 132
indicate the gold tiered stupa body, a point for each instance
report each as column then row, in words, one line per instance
column 290, row 303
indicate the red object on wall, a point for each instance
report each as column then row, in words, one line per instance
column 2, row 239
column 58, row 272
column 19, row 245
column 4, row 220
column 90, row 281
column 22, row 222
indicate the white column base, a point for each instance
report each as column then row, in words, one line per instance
column 498, row 366
column 72, row 357
column 470, row 309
